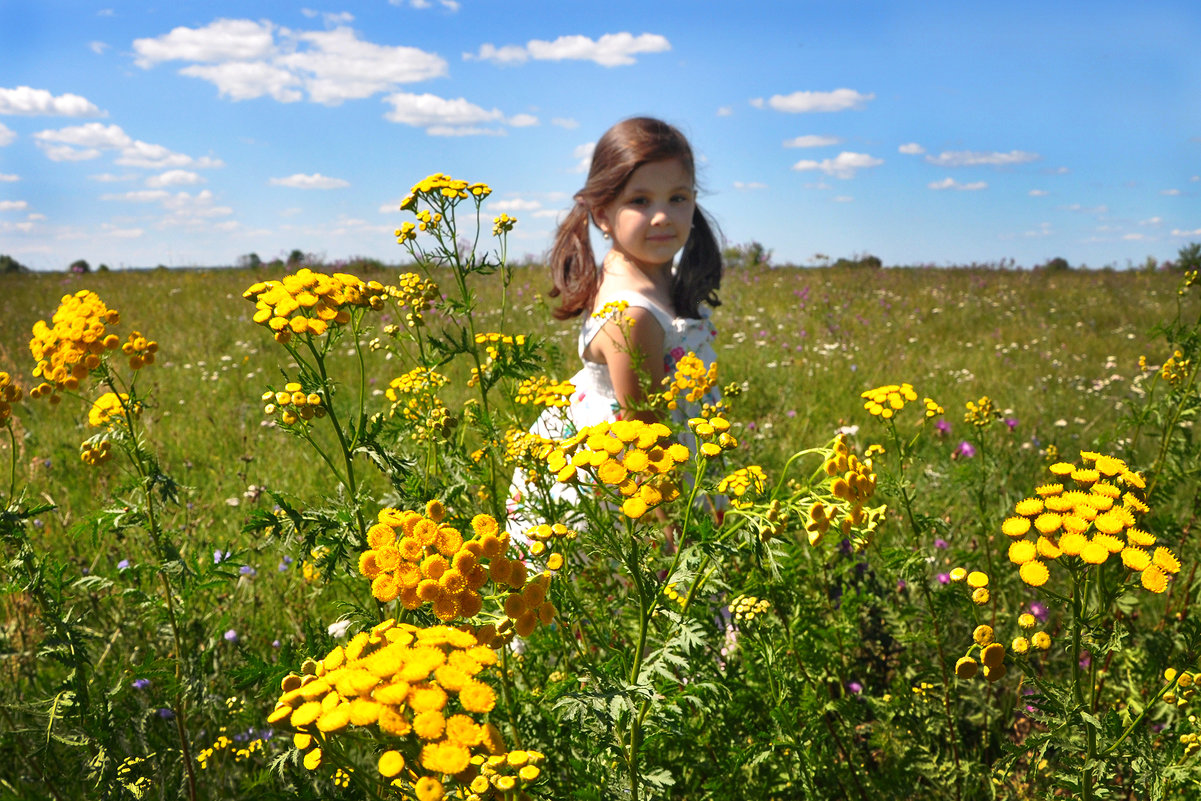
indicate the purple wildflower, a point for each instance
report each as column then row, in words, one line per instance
column 965, row 450
column 165, row 713
column 941, row 544
column 123, row 564
column 1012, row 422
column 855, row 687
column 231, row 636
column 942, row 427
column 1039, row 611
column 944, row 578
column 247, row 570
column 140, row 684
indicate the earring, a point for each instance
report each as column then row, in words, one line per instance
column 605, row 235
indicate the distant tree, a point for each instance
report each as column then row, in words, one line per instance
column 752, row 254
column 1057, row 264
column 80, row 266
column 250, row 261
column 10, row 265
column 865, row 261
column 1189, row 257
column 296, row 258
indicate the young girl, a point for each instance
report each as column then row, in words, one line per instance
column 641, row 194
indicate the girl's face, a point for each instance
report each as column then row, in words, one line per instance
column 649, row 221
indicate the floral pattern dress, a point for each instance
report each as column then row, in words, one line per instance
column 595, row 401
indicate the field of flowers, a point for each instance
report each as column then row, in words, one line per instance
column 935, row 539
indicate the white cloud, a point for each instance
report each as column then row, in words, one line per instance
column 139, row 196
column 610, row 50
column 1134, row 237
column 972, row 158
column 433, row 112
column 13, row 205
column 314, row 181
column 951, row 183
column 244, row 60
column 98, row 47
column 109, row 178
column 843, row 199
column 514, row 204
column 813, row 141
column 7, row 178
column 725, row 111
column 29, row 102
column 565, row 122
column 1170, row 192
column 911, row 149
column 121, row 233
column 1037, row 193
column 843, row 165
column 7, row 135
column 246, row 80
column 92, row 134
column 192, row 210
column 746, row 186
column 523, row 120
column 157, row 157
column 174, row 178
column 223, row 40
column 462, row 130
column 68, row 153
column 449, row 5
column 805, row 102
column 1195, row 178
column 1151, row 221
column 1086, row 209
column 81, row 142
column 583, row 156
column 1179, row 232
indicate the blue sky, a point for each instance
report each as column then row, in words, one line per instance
column 190, row 133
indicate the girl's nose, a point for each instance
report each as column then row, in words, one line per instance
column 660, row 217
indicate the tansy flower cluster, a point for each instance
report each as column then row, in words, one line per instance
column 10, row 393
column 421, row 686
column 414, row 293
column 1029, row 639
column 977, row 582
column 1176, row 369
column 293, row 404
column 108, row 407
column 850, row 482
column 503, row 774
column 309, row 302
column 745, row 608
column 691, row 381
column 634, row 458
column 224, row 744
column 71, row 346
column 413, row 394
column 992, row 657
column 714, row 435
column 613, row 310
column 750, row 479
column 523, row 447
column 541, row 391
column 497, row 347
column 1096, row 519
column 887, row 400
column 503, row 224
column 981, row 413
column 438, row 188
column 137, row 786
column 140, row 350
column 1186, row 685
column 94, row 454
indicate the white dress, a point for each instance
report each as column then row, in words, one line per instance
column 595, row 400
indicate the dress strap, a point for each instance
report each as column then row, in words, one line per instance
column 592, row 326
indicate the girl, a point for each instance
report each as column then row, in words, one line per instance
column 641, row 194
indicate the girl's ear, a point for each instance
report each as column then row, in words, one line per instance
column 600, row 216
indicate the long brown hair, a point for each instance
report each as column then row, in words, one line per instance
column 623, row 149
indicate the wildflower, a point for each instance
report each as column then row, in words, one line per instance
column 69, row 349
column 1034, row 573
column 231, row 636
column 885, row 401
column 977, row 579
column 140, row 684
column 983, row 635
column 966, row 668
column 1026, row 620
column 1041, row 640
column 958, row 574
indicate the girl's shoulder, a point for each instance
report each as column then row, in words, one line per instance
column 609, row 303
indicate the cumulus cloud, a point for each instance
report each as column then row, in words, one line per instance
column 514, row 204
column 1037, row 193
column 314, row 181
column 139, row 196
column 523, row 120
column 844, row 165
column 13, row 205
column 972, row 158
column 245, row 59
column 911, row 149
column 747, row 186
column 1181, row 232
column 82, row 142
column 610, row 50
column 725, row 111
column 29, row 102
column 174, row 178
column 8, row 178
column 951, row 183
column 98, row 47
column 805, row 102
column 812, row 141
column 566, row 123
column 1169, row 192
column 7, row 135
column 583, row 156
column 440, row 116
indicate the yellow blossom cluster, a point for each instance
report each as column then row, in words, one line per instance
column 495, row 346
column 714, row 435
column 1182, row 694
column 223, row 743
column 750, row 479
column 109, row 407
column 1038, row 640
column 414, row 293
column 94, row 454
column 420, row 685
column 1176, row 369
column 71, row 346
column 992, row 657
column 613, row 310
column 634, row 458
column 541, row 391
column 542, row 535
column 887, row 400
column 523, row 447
column 10, row 393
column 977, row 582
column 1096, row 519
column 136, row 786
column 421, row 559
column 691, row 380
column 502, row 775
column 932, row 408
column 140, row 350
column 418, row 386
column 438, row 187
column 745, row 608
column 293, row 404
column 310, row 302
column 981, row 413
column 503, row 224
column 850, row 483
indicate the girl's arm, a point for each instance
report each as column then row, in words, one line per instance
column 628, row 346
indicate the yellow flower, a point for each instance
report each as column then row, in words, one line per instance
column 958, row 574
column 1015, row 526
column 1020, row 645
column 1034, row 573
column 1048, row 549
column 966, row 668
column 1048, row 523
column 1022, row 551
column 980, row 596
column 993, row 655
column 1072, row 544
column 1135, row 558
column 1166, row 561
column 1029, row 507
column 1154, row 579
column 1095, row 553
column 983, row 635
column 428, row 789
column 977, row 579
column 1041, row 640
